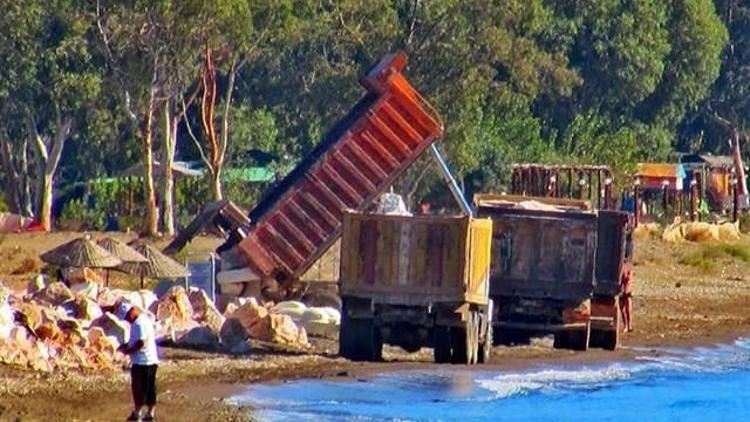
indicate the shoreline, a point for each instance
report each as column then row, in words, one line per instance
column 504, row 359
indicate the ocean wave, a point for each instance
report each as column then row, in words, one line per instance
column 720, row 358
column 507, row 385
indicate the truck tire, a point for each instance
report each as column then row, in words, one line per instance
column 512, row 337
column 576, row 339
column 359, row 338
column 607, row 339
column 441, row 343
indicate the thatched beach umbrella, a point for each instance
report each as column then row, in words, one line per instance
column 120, row 250
column 157, row 266
column 82, row 252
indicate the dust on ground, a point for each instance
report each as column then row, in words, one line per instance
column 676, row 303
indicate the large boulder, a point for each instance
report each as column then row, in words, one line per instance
column 205, row 311
column 171, row 330
column 86, row 309
column 201, row 337
column 175, row 304
column 113, row 327
column 233, row 333
column 87, row 289
column 142, row 299
column 35, row 285
column 55, row 293
column 258, row 323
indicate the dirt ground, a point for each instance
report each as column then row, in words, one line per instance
column 676, row 303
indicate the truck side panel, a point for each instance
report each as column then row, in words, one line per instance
column 542, row 257
column 610, row 252
column 357, row 161
column 415, row 260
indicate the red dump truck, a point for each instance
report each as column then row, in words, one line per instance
column 298, row 220
column 555, row 268
column 415, row 282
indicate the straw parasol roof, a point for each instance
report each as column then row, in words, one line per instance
column 81, row 252
column 157, row 266
column 121, row 250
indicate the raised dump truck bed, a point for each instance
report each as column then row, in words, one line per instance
column 414, row 282
column 358, row 159
column 555, row 268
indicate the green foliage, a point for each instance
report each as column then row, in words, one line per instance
column 77, row 216
column 707, row 257
column 583, row 81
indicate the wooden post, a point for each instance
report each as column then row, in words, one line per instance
column 665, row 199
column 599, row 189
column 693, row 195
column 607, row 192
column 736, row 201
column 581, row 185
column 514, row 181
column 590, row 181
column 570, row 182
column 637, row 201
column 557, row 183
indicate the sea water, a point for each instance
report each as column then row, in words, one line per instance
column 703, row 384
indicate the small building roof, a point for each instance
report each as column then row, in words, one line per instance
column 661, row 170
column 710, row 159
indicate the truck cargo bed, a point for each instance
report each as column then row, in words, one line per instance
column 358, row 159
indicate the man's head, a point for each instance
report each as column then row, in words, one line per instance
column 126, row 311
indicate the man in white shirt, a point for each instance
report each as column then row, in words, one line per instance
column 143, row 357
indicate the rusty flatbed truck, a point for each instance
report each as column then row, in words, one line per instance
column 298, row 220
column 555, row 268
column 414, row 282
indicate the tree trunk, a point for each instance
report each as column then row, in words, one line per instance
column 48, row 158
column 168, row 149
column 12, row 180
column 25, row 189
column 148, row 169
column 45, row 208
column 216, row 188
column 739, row 166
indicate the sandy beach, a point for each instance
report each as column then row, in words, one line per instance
column 677, row 303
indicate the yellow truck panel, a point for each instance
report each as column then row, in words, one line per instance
column 416, row 260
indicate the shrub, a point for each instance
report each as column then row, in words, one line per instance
column 705, row 258
column 76, row 216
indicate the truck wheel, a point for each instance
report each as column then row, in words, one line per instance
column 511, row 337
column 485, row 349
column 359, row 339
column 441, row 343
column 577, row 339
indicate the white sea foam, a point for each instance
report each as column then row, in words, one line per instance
column 710, row 359
column 507, row 385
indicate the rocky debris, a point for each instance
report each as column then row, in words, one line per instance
column 55, row 293
column 54, row 328
column 86, row 309
column 318, row 321
column 35, row 285
column 113, row 327
column 175, row 304
column 257, row 323
column 142, row 299
column 87, row 289
column 205, row 312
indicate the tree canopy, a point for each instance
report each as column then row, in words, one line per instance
column 588, row 81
